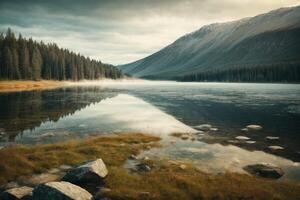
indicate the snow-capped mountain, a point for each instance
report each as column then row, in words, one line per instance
column 269, row 38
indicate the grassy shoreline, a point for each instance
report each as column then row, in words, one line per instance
column 166, row 180
column 15, row 85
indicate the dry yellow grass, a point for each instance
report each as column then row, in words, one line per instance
column 170, row 182
column 12, row 86
column 25, row 160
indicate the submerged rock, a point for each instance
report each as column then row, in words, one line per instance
column 272, row 138
column 254, row 127
column 90, row 172
column 60, row 191
column 24, row 193
column 244, row 129
column 242, row 138
column 250, row 142
column 203, row 127
column 265, row 170
column 276, row 148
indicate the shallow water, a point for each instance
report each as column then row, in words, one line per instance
column 163, row 108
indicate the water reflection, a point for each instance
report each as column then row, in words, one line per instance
column 25, row 111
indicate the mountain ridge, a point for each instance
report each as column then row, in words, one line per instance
column 266, row 39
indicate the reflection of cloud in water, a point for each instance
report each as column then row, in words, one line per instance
column 124, row 113
column 138, row 115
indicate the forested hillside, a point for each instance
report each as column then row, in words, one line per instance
column 26, row 59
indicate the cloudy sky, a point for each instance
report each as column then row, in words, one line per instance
column 121, row 31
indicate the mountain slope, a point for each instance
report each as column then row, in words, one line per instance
column 265, row 40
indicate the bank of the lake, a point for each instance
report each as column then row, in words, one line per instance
column 14, row 86
column 167, row 179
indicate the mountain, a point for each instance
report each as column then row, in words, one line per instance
column 268, row 43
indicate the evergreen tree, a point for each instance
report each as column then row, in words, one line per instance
column 36, row 63
column 27, row 59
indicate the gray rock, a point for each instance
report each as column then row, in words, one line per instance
column 265, row 170
column 274, row 148
column 250, row 142
column 272, row 138
column 60, row 191
column 90, row 172
column 242, row 138
column 24, row 193
column 254, row 127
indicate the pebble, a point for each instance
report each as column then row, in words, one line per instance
column 242, row 138
column 272, row 138
column 146, row 158
column 254, row 127
column 133, row 157
column 276, row 148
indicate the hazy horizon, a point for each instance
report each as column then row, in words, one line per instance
column 120, row 32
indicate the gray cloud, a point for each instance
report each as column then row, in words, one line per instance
column 120, row 31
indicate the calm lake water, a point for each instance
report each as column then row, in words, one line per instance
column 163, row 108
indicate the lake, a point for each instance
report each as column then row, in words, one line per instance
column 162, row 108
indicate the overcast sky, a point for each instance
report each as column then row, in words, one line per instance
column 121, row 31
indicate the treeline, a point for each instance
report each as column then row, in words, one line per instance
column 281, row 72
column 30, row 60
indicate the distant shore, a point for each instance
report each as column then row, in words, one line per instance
column 27, row 85
column 13, row 86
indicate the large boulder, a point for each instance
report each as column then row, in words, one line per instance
column 60, row 191
column 23, row 193
column 265, row 170
column 90, row 172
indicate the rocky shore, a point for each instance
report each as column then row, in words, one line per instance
column 95, row 169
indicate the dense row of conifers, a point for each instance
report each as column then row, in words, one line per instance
column 30, row 60
column 281, row 72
